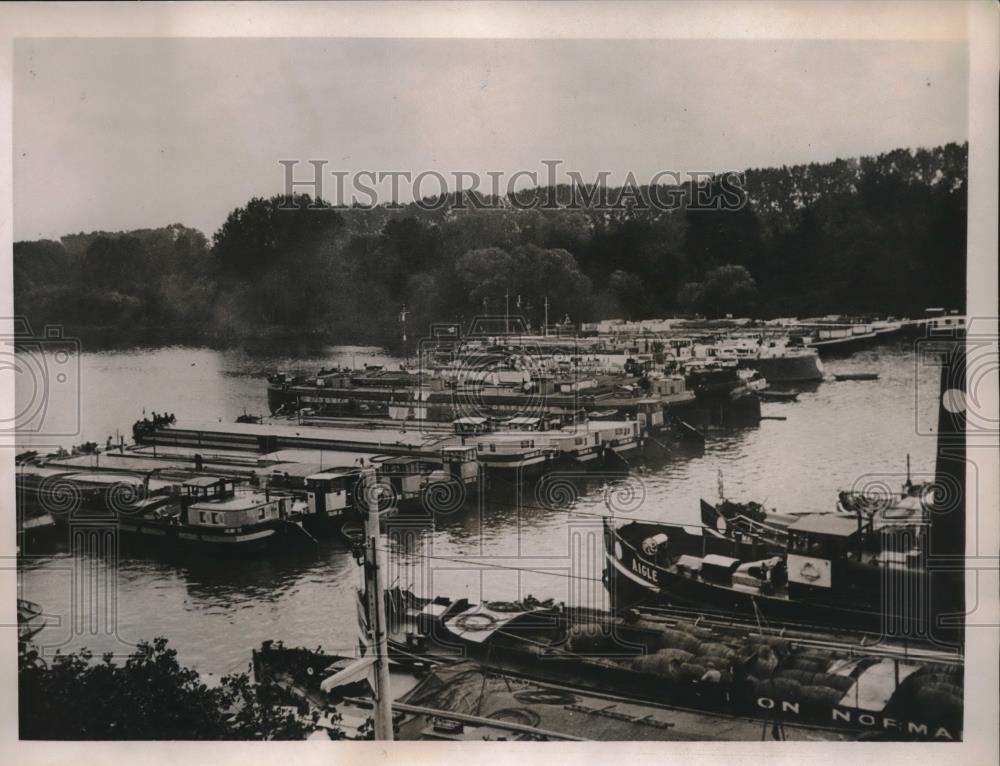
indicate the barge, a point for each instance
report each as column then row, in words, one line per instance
column 721, row 668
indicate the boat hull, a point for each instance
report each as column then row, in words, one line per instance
column 632, row 579
column 800, row 368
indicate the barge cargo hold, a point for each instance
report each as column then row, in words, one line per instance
column 724, row 669
column 465, row 701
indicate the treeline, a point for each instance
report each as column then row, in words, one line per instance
column 883, row 235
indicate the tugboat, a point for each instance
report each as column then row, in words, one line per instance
column 722, row 391
column 866, row 571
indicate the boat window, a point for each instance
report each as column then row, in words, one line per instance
column 215, row 518
column 263, row 512
column 201, row 514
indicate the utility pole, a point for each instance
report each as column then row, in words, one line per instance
column 376, row 608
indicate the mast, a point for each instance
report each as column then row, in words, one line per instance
column 506, row 311
column 376, row 608
column 402, row 320
column 546, row 316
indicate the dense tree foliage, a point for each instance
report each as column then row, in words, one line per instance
column 883, row 234
column 150, row 696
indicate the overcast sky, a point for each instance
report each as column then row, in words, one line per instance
column 122, row 134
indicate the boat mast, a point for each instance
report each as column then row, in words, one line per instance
column 506, row 312
column 376, row 607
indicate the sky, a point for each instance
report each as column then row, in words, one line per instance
column 117, row 134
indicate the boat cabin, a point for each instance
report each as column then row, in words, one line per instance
column 406, row 474
column 527, row 423
column 330, row 492
column 208, row 488
column 818, row 546
column 211, row 501
column 667, row 386
column 649, row 414
column 469, row 426
column 461, row 462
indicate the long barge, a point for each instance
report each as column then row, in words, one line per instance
column 825, row 681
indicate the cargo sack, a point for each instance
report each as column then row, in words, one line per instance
column 715, row 649
column 806, row 663
column 764, row 663
column 666, row 663
column 779, row 645
column 678, row 639
column 820, row 695
column 833, row 681
column 692, row 671
column 702, row 634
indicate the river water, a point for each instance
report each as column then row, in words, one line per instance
column 838, row 435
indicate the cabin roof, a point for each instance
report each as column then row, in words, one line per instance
column 203, row 481
column 404, row 460
column 834, row 525
column 523, row 420
column 243, row 502
column 471, row 421
column 293, row 469
column 98, row 478
column 327, row 475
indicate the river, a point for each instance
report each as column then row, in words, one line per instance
column 838, row 435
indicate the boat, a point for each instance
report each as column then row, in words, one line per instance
column 487, row 384
column 720, row 389
column 777, row 359
column 841, row 337
column 200, row 511
column 866, row 571
column 719, row 668
column 855, row 376
column 753, row 380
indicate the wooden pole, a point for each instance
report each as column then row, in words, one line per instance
column 376, row 610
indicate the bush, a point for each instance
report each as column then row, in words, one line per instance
column 150, row 696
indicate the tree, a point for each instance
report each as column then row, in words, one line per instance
column 629, row 291
column 270, row 234
column 728, row 289
column 151, row 696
